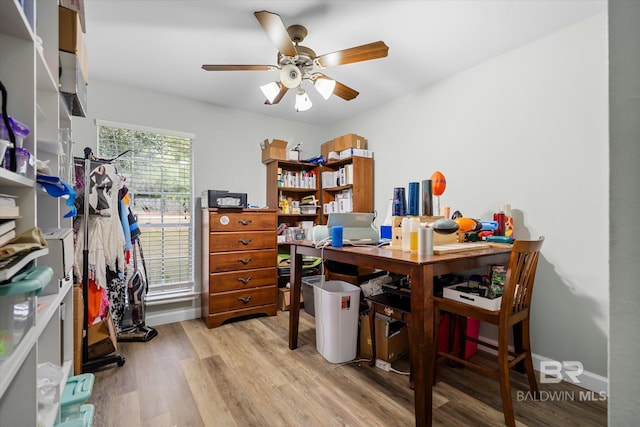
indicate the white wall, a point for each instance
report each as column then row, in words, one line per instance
column 624, row 344
column 529, row 128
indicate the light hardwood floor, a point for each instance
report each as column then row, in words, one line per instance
column 243, row 374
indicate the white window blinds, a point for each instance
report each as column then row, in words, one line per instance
column 157, row 167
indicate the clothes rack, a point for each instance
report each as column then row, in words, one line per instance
column 94, row 364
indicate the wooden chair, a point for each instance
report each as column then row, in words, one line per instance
column 513, row 313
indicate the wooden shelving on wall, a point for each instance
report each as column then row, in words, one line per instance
column 292, row 181
column 353, row 190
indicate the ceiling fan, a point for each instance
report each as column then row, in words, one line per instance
column 297, row 63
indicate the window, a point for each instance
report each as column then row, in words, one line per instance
column 157, row 165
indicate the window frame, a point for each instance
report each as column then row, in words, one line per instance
column 181, row 291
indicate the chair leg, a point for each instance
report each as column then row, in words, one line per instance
column 518, row 346
column 528, row 361
column 462, row 336
column 372, row 329
column 505, row 382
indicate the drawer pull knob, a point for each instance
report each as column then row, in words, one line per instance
column 244, row 221
column 245, row 261
column 245, row 299
column 388, row 311
column 245, row 242
column 245, row 280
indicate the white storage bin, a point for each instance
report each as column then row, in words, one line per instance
column 336, row 305
column 450, row 292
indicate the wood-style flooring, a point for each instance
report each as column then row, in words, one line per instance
column 243, row 374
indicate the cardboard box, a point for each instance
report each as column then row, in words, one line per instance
column 390, row 344
column 326, row 148
column 71, row 38
column 102, row 338
column 78, row 318
column 284, row 299
column 350, row 140
column 274, row 150
column 451, row 293
column 355, row 152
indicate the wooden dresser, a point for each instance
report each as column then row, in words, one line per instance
column 239, row 264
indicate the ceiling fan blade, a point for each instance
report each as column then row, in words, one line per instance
column 277, row 32
column 340, row 90
column 283, row 91
column 239, row 67
column 366, row 52
column 345, row 92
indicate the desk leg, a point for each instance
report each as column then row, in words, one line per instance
column 295, row 277
column 422, row 352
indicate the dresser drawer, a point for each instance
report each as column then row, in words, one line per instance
column 242, row 241
column 242, row 260
column 246, row 279
column 234, row 300
column 242, row 221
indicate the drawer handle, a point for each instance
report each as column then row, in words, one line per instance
column 245, row 299
column 245, row 261
column 244, row 221
column 245, row 242
column 388, row 311
column 245, row 280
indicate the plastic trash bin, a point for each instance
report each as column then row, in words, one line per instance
column 308, row 283
column 336, row 305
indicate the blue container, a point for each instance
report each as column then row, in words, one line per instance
column 77, row 391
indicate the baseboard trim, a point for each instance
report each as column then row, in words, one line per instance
column 172, row 316
column 588, row 380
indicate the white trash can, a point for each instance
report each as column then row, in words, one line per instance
column 336, row 306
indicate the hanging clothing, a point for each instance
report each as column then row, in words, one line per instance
column 106, row 239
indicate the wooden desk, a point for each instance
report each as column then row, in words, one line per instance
column 421, row 270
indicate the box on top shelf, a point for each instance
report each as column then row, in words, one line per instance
column 350, row 140
column 274, row 150
column 326, row 148
column 355, row 152
column 70, row 37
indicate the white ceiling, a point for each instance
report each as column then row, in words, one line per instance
column 161, row 45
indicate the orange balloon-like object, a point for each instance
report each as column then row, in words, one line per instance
column 438, row 183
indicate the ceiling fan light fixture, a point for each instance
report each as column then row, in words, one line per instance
column 325, row 87
column 303, row 103
column 270, row 91
column 290, row 76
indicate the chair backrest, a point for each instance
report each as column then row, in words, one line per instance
column 521, row 274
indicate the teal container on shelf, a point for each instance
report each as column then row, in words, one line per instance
column 18, row 306
column 77, row 391
column 84, row 418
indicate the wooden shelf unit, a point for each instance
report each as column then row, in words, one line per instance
column 29, row 72
column 274, row 190
column 361, row 185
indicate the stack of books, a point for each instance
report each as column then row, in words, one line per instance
column 9, row 211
